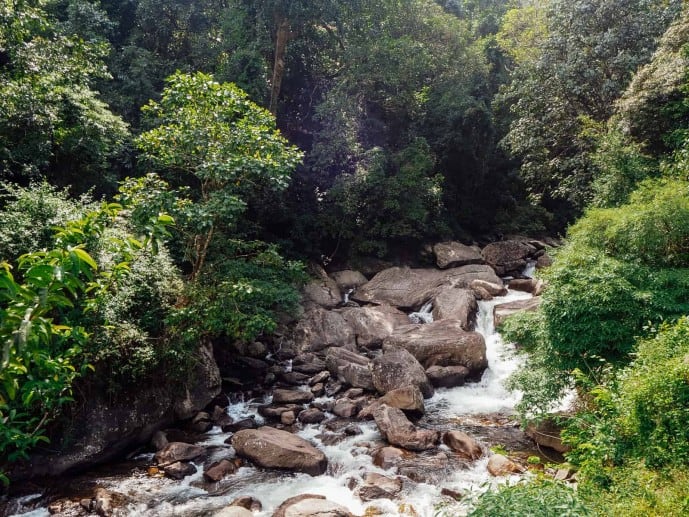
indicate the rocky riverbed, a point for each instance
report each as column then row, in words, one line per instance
column 361, row 412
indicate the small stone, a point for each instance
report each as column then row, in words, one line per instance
column 288, row 418
column 320, row 378
column 318, row 389
column 248, row 502
column 179, row 470
column 219, row 470
column 311, row 416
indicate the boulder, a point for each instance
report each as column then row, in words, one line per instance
column 322, row 291
column 219, row 469
column 248, row 502
column 349, row 367
column 408, row 398
column 456, row 304
column 507, row 257
column 499, row 465
column 288, row 418
column 430, row 468
column 293, row 378
column 270, row 411
column 309, row 505
column 179, row 470
column 447, row 376
column 494, row 289
column 106, row 502
column 178, row 451
column 159, row 440
column 272, row 448
column 372, row 324
column 503, row 310
column 463, row 443
column 526, row 285
column 547, row 434
column 398, row 430
column 244, row 423
column 318, row 389
column 544, row 261
column 308, row 363
column 442, row 343
column 453, row 254
column 320, row 377
column 388, row 457
column 409, row 288
column 233, row 511
column 292, row 397
column 397, row 368
column 348, row 279
column 377, row 486
column 319, row 329
column 311, row 416
column 345, row 408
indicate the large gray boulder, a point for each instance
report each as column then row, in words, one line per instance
column 348, row 279
column 397, row 368
column 442, row 343
column 319, row 329
column 457, row 304
column 310, row 505
column 398, row 430
column 272, row 448
column 350, row 368
column 323, row 292
column 409, row 288
column 453, row 254
column 372, row 324
column 504, row 310
column 508, row 257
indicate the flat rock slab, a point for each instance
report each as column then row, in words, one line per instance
column 504, row 310
column 453, row 254
column 442, row 343
column 408, row 288
column 292, row 397
column 372, row 324
column 272, row 448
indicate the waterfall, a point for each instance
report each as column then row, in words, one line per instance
column 424, row 314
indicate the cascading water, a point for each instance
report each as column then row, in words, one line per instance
column 465, row 408
column 424, row 314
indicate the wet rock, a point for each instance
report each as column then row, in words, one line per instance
column 233, row 511
column 525, row 285
column 504, row 310
column 456, row 304
column 508, row 257
column 447, row 376
column 333, row 388
column 544, row 261
column 372, row 324
column 463, row 444
column 408, row 398
column 397, row 368
column 453, row 254
column 201, row 423
column 288, row 418
column 398, row 430
column 547, row 433
column 493, row 288
column 178, row 451
column 388, row 457
column 107, row 501
column 309, row 364
column 244, row 423
column 345, row 408
column 353, row 393
column 403, row 287
column 349, row 367
column 377, row 486
column 66, row 508
column 271, row 448
column 293, row 378
column 219, row 470
column 309, row 505
column 318, row 389
column 348, row 279
column 248, row 502
column 159, row 440
column 311, row 416
column 499, row 465
column 426, row 468
column 323, row 405
column 292, row 397
column 320, row 377
column 442, row 343
column 220, row 400
column 319, row 329
column 179, row 470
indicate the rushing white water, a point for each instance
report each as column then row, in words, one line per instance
column 424, row 314
column 348, row 460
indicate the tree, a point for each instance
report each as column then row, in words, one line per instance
column 210, row 136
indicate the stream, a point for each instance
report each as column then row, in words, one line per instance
column 483, row 410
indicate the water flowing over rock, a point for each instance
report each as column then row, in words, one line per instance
column 409, row 288
column 349, row 367
column 508, row 257
column 373, row 324
column 319, row 329
column 272, row 448
column 442, row 343
column 397, row 368
column 309, row 505
column 398, row 430
column 503, row 310
column 453, row 254
column 456, row 304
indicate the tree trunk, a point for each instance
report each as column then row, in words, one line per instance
column 284, row 34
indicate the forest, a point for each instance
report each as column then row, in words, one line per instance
column 171, row 171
